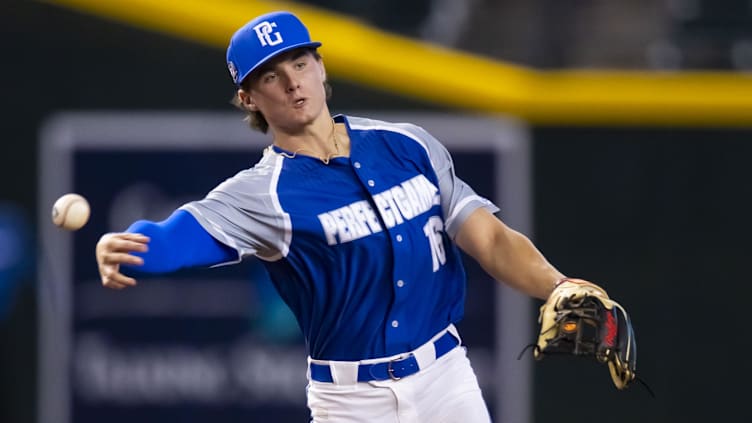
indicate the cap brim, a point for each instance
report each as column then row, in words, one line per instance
column 312, row 44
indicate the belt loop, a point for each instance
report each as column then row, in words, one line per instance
column 453, row 330
column 425, row 355
column 344, row 372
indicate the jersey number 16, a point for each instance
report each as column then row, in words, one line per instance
column 433, row 229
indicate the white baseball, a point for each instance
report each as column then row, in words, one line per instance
column 71, row 212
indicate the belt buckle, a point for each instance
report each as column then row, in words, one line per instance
column 389, row 369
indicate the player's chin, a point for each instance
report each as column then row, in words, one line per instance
column 302, row 116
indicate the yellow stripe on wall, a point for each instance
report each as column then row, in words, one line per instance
column 359, row 53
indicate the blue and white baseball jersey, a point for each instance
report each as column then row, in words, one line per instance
column 360, row 249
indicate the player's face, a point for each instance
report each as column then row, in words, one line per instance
column 289, row 90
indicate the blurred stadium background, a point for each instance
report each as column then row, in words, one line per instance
column 639, row 112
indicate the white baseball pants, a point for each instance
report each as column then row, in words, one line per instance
column 447, row 391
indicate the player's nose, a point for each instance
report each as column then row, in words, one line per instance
column 292, row 83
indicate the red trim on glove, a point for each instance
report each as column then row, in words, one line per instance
column 562, row 280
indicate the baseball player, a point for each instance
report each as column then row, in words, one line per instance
column 358, row 223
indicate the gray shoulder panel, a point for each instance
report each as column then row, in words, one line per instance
column 244, row 213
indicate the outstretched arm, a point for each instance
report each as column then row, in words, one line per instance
column 177, row 242
column 506, row 254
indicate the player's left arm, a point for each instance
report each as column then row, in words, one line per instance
column 507, row 255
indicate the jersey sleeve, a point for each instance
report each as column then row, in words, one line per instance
column 458, row 199
column 243, row 212
column 177, row 242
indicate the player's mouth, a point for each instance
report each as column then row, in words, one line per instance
column 299, row 102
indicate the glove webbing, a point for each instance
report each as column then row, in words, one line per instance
column 578, row 332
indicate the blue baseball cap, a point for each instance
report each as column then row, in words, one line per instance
column 263, row 38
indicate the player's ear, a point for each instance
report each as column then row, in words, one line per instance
column 247, row 100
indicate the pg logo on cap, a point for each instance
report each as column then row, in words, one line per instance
column 262, row 39
column 264, row 33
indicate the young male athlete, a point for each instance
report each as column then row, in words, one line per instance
column 358, row 223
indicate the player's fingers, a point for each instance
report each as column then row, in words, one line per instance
column 126, row 245
column 122, row 258
column 111, row 278
column 123, row 242
column 126, row 280
column 110, row 273
column 134, row 237
column 123, row 245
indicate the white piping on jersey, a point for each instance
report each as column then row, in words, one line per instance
column 398, row 128
column 284, row 245
column 225, row 239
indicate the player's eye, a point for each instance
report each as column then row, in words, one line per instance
column 269, row 77
column 300, row 65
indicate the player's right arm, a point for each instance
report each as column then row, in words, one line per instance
column 158, row 247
